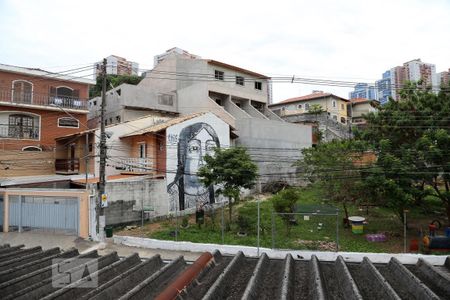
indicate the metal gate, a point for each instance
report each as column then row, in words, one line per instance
column 58, row 213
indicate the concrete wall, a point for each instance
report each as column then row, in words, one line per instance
column 274, row 146
column 195, row 99
column 126, row 199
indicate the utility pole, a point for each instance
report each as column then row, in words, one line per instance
column 102, row 180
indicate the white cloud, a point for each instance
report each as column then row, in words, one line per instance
column 346, row 40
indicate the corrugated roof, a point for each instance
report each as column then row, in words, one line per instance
column 43, row 73
column 161, row 126
column 224, row 65
column 308, row 97
column 34, row 274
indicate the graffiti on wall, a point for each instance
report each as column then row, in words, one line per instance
column 192, row 143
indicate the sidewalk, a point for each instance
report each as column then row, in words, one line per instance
column 49, row 240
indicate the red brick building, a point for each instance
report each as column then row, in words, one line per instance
column 36, row 107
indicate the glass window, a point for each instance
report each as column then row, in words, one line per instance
column 239, row 80
column 219, row 75
column 306, row 106
column 22, row 127
column 142, row 151
column 68, row 122
column 258, row 85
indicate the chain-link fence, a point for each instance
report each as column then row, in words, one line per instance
column 309, row 229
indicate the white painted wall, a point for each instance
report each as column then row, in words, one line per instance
column 173, row 136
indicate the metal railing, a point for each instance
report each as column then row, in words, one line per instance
column 19, row 132
column 137, row 165
column 42, row 100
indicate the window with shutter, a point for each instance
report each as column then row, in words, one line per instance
column 22, row 91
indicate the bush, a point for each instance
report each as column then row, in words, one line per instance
column 284, row 202
column 185, row 222
column 243, row 221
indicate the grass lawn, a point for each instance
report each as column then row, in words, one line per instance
column 312, row 232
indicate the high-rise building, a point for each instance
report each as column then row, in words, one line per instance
column 416, row 70
column 444, row 78
column 116, row 65
column 395, row 78
column 363, row 90
column 383, row 86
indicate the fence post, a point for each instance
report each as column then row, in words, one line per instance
column 337, row 229
column 257, row 228
column 222, row 223
column 273, row 230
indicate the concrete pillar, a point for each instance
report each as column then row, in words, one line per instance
column 6, row 212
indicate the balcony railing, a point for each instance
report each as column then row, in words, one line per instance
column 67, row 166
column 19, row 132
column 42, row 100
column 136, row 165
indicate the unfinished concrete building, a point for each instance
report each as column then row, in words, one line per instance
column 181, row 83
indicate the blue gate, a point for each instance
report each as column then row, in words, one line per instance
column 48, row 212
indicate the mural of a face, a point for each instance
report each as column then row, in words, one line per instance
column 193, row 143
column 200, row 145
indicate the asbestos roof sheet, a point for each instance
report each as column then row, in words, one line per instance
column 162, row 126
column 27, row 274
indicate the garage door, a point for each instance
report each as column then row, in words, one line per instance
column 60, row 213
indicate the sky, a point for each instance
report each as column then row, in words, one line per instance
column 346, row 40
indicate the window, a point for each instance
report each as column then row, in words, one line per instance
column 90, row 147
column 342, row 105
column 118, row 119
column 22, row 127
column 22, row 91
column 334, row 103
column 95, row 102
column 68, row 122
column 343, row 120
column 142, row 150
column 306, row 106
column 31, row 148
column 110, row 121
column 219, row 75
column 258, row 85
column 165, row 99
column 299, row 106
column 239, row 80
column 63, row 92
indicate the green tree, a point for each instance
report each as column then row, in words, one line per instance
column 232, row 170
column 284, row 204
column 412, row 139
column 336, row 166
column 112, row 81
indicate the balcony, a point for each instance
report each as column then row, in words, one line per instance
column 42, row 100
column 67, row 166
column 19, row 132
column 136, row 166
